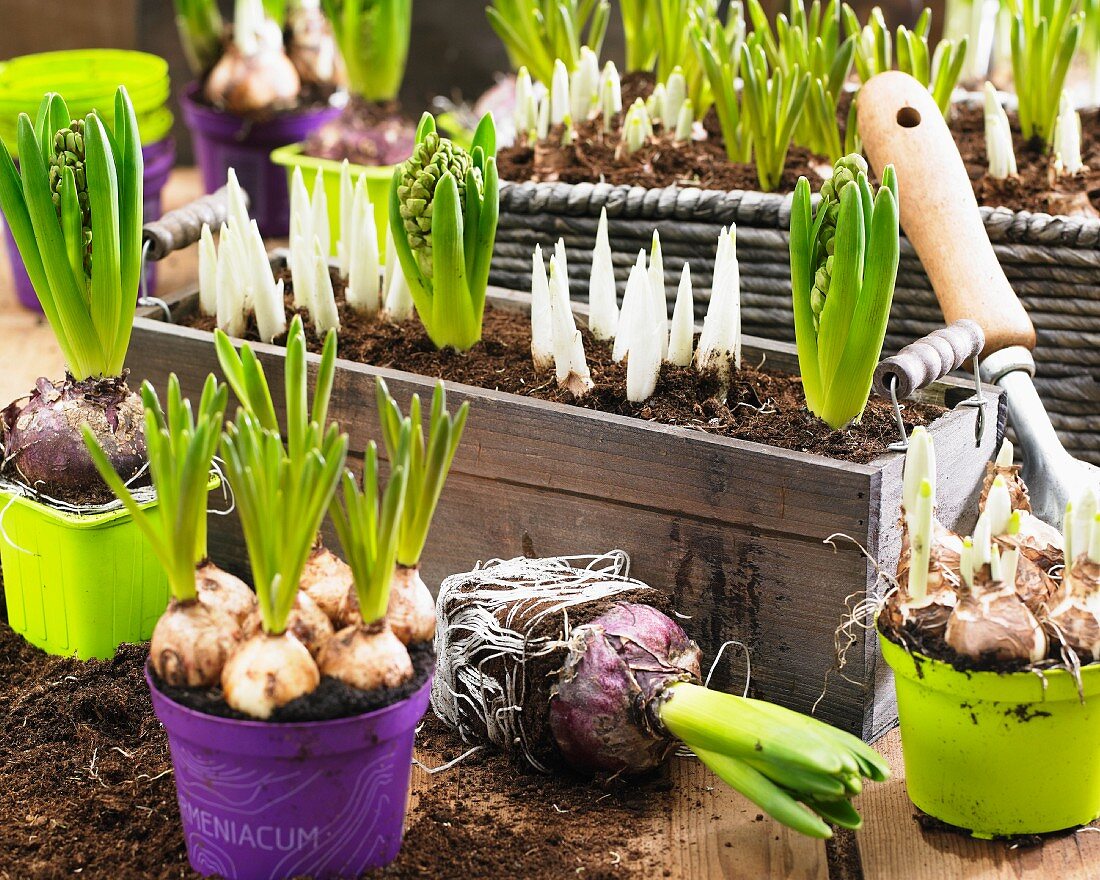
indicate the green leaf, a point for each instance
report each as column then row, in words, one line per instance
column 844, row 289
column 802, row 276
column 106, row 260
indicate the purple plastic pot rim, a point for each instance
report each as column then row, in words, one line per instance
column 329, row 725
column 194, row 107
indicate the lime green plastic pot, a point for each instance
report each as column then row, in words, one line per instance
column 78, row 585
column 996, row 754
column 378, row 187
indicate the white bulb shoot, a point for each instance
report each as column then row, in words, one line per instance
column 685, row 122
column 603, row 306
column 998, row 137
column 919, row 524
column 230, row 308
column 998, row 507
column 208, row 272
column 542, row 332
column 346, row 244
column 570, row 364
column 720, row 341
column 522, row 117
column 637, row 291
column 637, row 127
column 920, row 465
column 611, row 95
column 325, row 314
column 563, row 260
column 675, row 95
column 643, row 360
column 1005, row 454
column 396, row 296
column 983, row 537
column 319, row 225
column 1067, row 139
column 657, row 290
column 363, row 292
column 681, row 336
column 584, row 85
column 542, row 127
column 1078, row 523
column 559, row 93
column 655, row 105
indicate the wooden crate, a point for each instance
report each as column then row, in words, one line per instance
column 731, row 529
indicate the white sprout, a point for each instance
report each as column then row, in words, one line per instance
column 998, row 507
column 611, row 94
column 346, row 244
column 208, row 272
column 363, row 292
column 998, row 137
column 525, row 112
column 681, row 336
column 720, row 341
column 637, row 290
column 655, row 105
column 603, row 306
column 1067, row 139
column 675, row 95
column 542, row 126
column 542, row 331
column 643, row 359
column 637, row 127
column 685, row 122
column 570, row 364
column 559, row 93
column 325, row 315
column 657, row 290
column 584, row 85
column 395, row 288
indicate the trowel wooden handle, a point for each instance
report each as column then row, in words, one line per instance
column 901, row 125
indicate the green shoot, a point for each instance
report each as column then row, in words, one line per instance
column 181, row 447
column 775, row 757
column 844, row 262
column 368, row 524
column 428, row 462
column 443, row 211
column 641, row 32
column 373, row 36
column 200, row 28
column 1045, row 36
column 535, row 33
column 282, row 492
column 74, row 208
column 773, row 102
column 722, row 70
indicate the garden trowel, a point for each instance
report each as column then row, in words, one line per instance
column 901, row 125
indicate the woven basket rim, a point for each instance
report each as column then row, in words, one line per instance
column 627, row 202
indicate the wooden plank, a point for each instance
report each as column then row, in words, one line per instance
column 892, row 844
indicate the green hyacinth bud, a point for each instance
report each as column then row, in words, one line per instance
column 432, row 157
column 845, row 172
column 68, row 151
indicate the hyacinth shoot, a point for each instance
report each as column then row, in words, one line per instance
column 443, row 211
column 844, row 262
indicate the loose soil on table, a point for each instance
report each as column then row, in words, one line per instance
column 595, row 157
column 762, row 406
column 86, row 790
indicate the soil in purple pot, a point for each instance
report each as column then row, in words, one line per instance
column 365, row 133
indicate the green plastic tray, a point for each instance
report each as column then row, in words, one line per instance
column 378, row 187
column 78, row 585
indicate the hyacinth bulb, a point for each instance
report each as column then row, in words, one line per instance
column 224, row 592
column 191, row 644
column 306, row 622
column 327, row 580
column 366, row 657
column 267, row 672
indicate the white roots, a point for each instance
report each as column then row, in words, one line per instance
column 267, row 672
column 191, row 644
column 484, row 639
column 366, row 657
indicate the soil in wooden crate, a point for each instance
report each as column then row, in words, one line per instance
column 762, row 405
column 598, row 158
column 88, row 792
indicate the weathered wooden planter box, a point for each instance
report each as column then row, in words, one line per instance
column 732, row 530
column 1052, row 262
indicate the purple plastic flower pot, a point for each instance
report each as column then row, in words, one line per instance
column 159, row 159
column 223, row 141
column 266, row 801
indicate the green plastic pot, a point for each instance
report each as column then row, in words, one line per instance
column 78, row 585
column 378, row 187
column 994, row 754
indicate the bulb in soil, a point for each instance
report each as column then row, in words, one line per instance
column 602, row 707
column 411, row 612
column 930, row 614
column 266, row 672
column 224, row 592
column 191, row 644
column 1077, row 616
column 43, row 446
column 306, row 622
column 327, row 581
column 366, row 657
column 313, row 49
column 249, row 85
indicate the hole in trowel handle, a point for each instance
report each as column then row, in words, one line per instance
column 908, row 117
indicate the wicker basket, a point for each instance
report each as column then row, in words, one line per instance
column 1052, row 262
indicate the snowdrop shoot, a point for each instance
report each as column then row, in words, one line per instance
column 998, row 137
column 611, row 95
column 396, row 296
column 637, row 127
column 720, row 341
column 682, row 334
column 559, row 93
column 643, row 358
column 584, row 85
column 542, row 333
column 637, row 291
column 570, row 364
column 361, row 241
column 603, row 305
column 1067, row 139
column 657, row 290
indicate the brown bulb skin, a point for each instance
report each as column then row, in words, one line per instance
column 367, row 657
column 191, row 644
column 225, row 592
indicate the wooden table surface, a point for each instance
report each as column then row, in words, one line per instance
column 695, row 840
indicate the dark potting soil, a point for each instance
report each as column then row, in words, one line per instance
column 365, row 133
column 331, row 699
column 87, row 791
column 915, row 640
column 762, row 406
column 594, row 157
column 311, row 97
